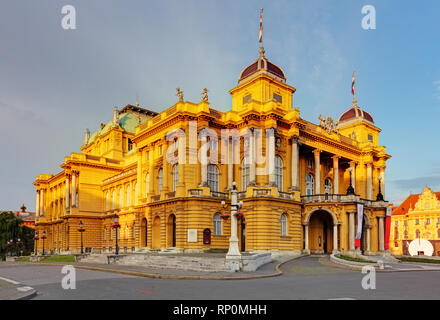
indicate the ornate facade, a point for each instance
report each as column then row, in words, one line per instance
column 418, row 217
column 300, row 205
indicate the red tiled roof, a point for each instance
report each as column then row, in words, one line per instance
column 409, row 202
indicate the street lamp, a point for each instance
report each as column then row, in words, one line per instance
column 36, row 242
column 116, row 226
column 350, row 189
column 19, row 246
column 81, row 229
column 233, row 240
column 379, row 195
column 43, row 237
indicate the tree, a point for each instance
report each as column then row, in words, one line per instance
column 11, row 228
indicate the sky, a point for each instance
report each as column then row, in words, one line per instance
column 55, row 83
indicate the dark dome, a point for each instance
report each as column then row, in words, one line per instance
column 262, row 66
column 355, row 113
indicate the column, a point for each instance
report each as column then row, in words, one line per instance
column 164, row 170
column 73, row 189
column 152, row 177
column 270, row 160
column 381, row 235
column 230, row 158
column 369, row 181
column 351, row 232
column 204, row 162
column 368, row 239
column 335, row 238
column 295, row 163
column 41, row 202
column 306, row 238
column 317, row 152
column 252, row 167
column 353, row 175
column 336, row 174
column 382, row 174
column 37, row 204
column 67, row 204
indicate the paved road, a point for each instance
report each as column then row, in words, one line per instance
column 304, row 278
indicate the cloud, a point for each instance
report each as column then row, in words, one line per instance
column 417, row 184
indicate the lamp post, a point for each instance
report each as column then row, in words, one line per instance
column 81, row 229
column 116, row 226
column 36, row 243
column 234, row 252
column 18, row 246
column 43, row 236
column 379, row 195
column 9, row 244
column 350, row 189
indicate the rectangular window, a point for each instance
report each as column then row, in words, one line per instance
column 405, row 223
column 278, row 98
column 370, row 138
column 247, row 98
column 417, row 221
column 396, row 223
column 147, row 155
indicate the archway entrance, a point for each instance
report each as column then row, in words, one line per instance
column 156, row 233
column 144, row 233
column 171, row 231
column 321, row 232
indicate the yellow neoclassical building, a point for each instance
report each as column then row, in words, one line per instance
column 418, row 217
column 297, row 203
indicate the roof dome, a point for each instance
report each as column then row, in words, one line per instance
column 262, row 66
column 355, row 113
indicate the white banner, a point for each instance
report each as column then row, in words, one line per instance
column 389, row 210
column 360, row 216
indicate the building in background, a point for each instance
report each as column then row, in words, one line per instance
column 301, row 206
column 417, row 218
column 27, row 217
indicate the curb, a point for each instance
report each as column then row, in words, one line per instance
column 30, row 292
column 171, row 276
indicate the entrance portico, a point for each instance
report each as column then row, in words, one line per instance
column 321, row 231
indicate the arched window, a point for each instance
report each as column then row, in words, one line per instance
column 245, row 165
column 396, row 234
column 128, row 195
column 217, row 225
column 147, row 184
column 279, row 173
column 213, row 177
column 126, row 231
column 160, row 179
column 328, row 186
column 114, row 200
column 417, row 234
column 121, row 197
column 309, row 185
column 129, row 145
column 175, row 176
column 283, row 225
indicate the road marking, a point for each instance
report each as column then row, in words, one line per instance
column 9, row 280
column 25, row 289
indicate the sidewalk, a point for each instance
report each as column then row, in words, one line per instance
column 268, row 270
column 12, row 290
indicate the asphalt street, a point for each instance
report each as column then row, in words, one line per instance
column 304, row 278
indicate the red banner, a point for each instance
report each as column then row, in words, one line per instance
column 387, row 228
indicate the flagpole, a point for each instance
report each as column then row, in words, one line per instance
column 261, row 32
